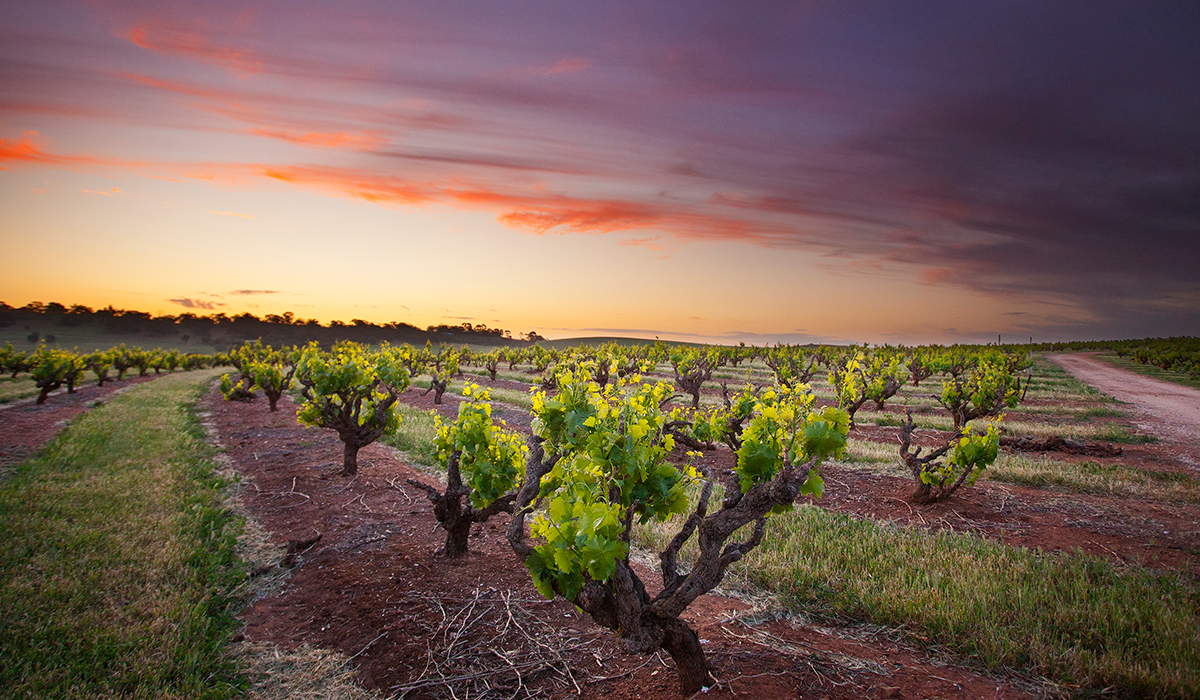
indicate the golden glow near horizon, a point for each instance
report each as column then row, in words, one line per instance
column 391, row 163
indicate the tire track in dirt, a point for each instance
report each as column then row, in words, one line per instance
column 1162, row 409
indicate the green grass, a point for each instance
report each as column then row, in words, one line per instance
column 1078, row 412
column 1074, row 618
column 481, row 375
column 24, row 386
column 1094, row 477
column 19, row 388
column 1053, row 382
column 1149, row 370
column 512, row 397
column 1102, row 432
column 415, row 435
column 888, row 419
column 868, row 451
column 117, row 557
column 1044, row 472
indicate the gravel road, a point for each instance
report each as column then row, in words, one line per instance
column 1167, row 410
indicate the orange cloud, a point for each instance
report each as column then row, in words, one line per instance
column 530, row 209
column 936, row 276
column 581, row 217
column 361, row 141
column 266, row 112
column 23, row 149
column 372, row 188
column 195, row 45
column 229, row 103
column 651, row 243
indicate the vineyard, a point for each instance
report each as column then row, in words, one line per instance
column 613, row 520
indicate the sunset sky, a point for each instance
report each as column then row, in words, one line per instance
column 722, row 172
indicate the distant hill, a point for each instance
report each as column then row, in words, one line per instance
column 563, row 343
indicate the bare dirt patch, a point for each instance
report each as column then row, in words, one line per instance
column 375, row 589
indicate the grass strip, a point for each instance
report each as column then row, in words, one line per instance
column 1045, row 472
column 14, row 389
column 1094, row 477
column 415, row 435
column 512, row 397
column 117, row 558
column 1073, row 618
column 1165, row 375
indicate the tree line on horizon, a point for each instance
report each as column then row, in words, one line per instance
column 218, row 329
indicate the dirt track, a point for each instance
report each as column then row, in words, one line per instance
column 1167, row 410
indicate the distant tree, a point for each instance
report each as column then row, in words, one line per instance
column 53, row 368
column 352, row 391
column 443, row 365
column 692, row 369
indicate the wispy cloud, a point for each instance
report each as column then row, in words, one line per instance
column 254, row 292
column 188, row 303
column 170, row 38
column 362, row 141
column 651, row 243
column 25, row 149
column 568, row 65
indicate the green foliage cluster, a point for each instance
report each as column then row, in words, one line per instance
column 1174, row 354
column 786, row 430
column 791, row 365
column 699, row 427
column 490, row 457
column 693, row 368
column 53, row 367
column 261, row 367
column 614, row 469
column 971, row 453
column 983, row 391
column 352, row 390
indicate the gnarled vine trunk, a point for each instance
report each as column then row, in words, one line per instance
column 455, row 516
column 622, row 604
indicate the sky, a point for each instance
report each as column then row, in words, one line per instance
column 759, row 172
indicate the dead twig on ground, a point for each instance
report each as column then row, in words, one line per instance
column 392, row 483
column 490, row 646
